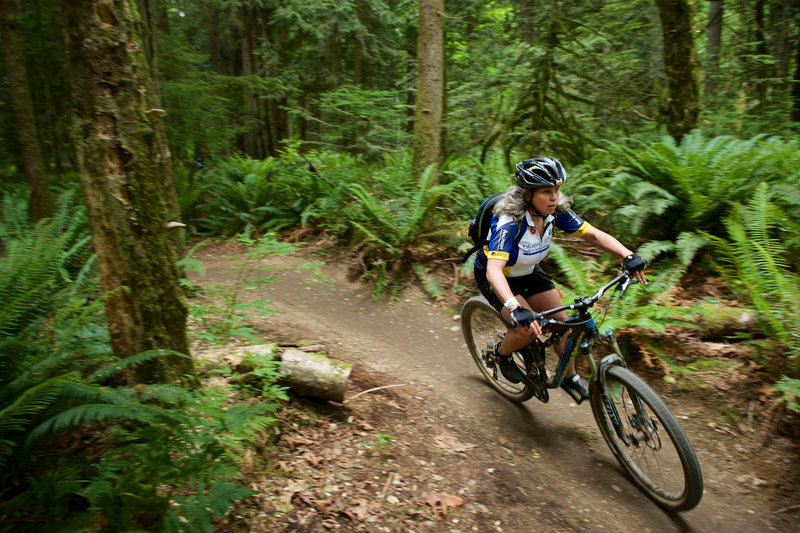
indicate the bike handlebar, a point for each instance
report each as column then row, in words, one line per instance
column 622, row 281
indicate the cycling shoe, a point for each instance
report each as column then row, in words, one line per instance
column 509, row 368
column 576, row 386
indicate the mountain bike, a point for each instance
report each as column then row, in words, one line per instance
column 641, row 431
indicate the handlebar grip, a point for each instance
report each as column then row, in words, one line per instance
column 537, row 317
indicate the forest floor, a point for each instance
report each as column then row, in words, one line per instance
column 421, row 443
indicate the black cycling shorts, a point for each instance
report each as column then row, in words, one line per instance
column 534, row 283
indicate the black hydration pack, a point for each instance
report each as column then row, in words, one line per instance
column 479, row 226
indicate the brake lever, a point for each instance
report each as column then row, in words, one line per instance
column 537, row 317
column 622, row 287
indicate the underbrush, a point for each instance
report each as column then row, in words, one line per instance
column 172, row 464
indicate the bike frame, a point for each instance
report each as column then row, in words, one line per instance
column 582, row 330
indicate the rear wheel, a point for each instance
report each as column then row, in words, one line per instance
column 658, row 455
column 483, row 327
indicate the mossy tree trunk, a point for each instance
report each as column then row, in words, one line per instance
column 682, row 107
column 127, row 181
column 429, row 105
column 41, row 203
column 713, row 45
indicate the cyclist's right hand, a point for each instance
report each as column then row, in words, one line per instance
column 634, row 263
column 522, row 316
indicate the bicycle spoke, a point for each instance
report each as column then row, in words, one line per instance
column 654, row 450
column 482, row 325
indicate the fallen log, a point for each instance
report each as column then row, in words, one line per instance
column 314, row 374
column 718, row 322
column 307, row 373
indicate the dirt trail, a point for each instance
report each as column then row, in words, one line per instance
column 539, row 463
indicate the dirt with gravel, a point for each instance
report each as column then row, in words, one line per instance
column 434, row 448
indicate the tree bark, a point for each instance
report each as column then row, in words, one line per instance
column 713, row 45
column 127, row 182
column 796, row 85
column 781, row 17
column 429, row 109
column 682, row 107
column 147, row 10
column 762, row 70
column 41, row 203
column 526, row 11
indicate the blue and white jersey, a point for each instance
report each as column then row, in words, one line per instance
column 529, row 247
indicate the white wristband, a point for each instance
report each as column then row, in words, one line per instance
column 511, row 303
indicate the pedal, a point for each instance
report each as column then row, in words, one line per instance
column 575, row 395
column 491, row 346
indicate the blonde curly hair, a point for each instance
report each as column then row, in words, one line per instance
column 513, row 203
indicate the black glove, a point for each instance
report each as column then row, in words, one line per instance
column 633, row 263
column 522, row 316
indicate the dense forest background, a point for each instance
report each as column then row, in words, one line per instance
column 130, row 128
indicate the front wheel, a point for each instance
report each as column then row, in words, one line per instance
column 652, row 446
column 482, row 325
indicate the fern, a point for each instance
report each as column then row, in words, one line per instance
column 193, row 513
column 640, row 307
column 680, row 188
column 85, row 414
column 393, row 229
column 115, row 368
column 580, row 273
column 429, row 283
column 755, row 261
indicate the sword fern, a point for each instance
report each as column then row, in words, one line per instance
column 755, row 260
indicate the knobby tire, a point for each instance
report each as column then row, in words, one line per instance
column 480, row 323
column 664, row 466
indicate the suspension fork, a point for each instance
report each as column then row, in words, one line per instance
column 609, row 338
column 614, row 358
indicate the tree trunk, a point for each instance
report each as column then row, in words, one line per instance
column 41, row 203
column 680, row 63
column 147, row 10
column 781, row 18
column 526, row 11
column 127, row 181
column 713, row 45
column 428, row 115
column 796, row 85
column 762, row 70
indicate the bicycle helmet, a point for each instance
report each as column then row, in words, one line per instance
column 540, row 172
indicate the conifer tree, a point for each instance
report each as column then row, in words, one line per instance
column 127, row 182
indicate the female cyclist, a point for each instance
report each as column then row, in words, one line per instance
column 507, row 270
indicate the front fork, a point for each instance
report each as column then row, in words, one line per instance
column 600, row 378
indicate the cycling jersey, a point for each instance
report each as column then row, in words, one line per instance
column 523, row 252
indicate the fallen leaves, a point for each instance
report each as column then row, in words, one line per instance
column 332, row 477
column 441, row 502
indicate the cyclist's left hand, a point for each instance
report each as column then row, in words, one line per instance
column 635, row 264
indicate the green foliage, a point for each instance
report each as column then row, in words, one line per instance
column 429, row 283
column 43, row 268
column 396, row 229
column 478, row 179
column 222, row 313
column 239, row 192
column 250, row 196
column 756, row 263
column 674, row 258
column 639, row 308
column 359, row 121
column 666, row 189
column 145, row 457
column 790, row 390
column 204, row 112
